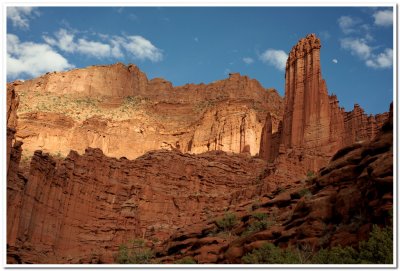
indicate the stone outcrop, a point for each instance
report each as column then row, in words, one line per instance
column 79, row 210
column 114, row 80
column 337, row 207
column 195, row 151
column 314, row 127
column 12, row 105
column 87, row 205
column 224, row 115
column 118, row 80
column 15, row 180
column 227, row 126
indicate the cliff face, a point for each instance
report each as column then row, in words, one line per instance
column 336, row 207
column 115, row 108
column 12, row 105
column 313, row 123
column 87, row 205
column 306, row 114
column 15, row 180
column 194, row 151
column 114, row 80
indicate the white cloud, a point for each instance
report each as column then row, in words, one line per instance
column 347, row 24
column 248, row 60
column 64, row 40
column 382, row 60
column 19, row 16
column 357, row 47
column 32, row 59
column 142, row 49
column 116, row 50
column 335, row 61
column 276, row 58
column 383, row 17
column 361, row 49
column 115, row 46
column 93, row 48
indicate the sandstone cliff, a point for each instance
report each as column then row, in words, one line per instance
column 337, row 207
column 89, row 204
column 12, row 105
column 314, row 127
column 195, row 159
column 117, row 109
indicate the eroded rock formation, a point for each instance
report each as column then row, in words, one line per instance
column 80, row 208
column 136, row 115
column 90, row 204
column 337, row 207
column 314, row 127
column 12, row 105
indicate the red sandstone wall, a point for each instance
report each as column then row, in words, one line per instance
column 313, row 123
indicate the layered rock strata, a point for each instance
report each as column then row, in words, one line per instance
column 313, row 123
column 136, row 115
column 85, row 205
column 337, row 207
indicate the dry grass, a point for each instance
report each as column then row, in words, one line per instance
column 81, row 108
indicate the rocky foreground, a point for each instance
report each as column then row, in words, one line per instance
column 102, row 162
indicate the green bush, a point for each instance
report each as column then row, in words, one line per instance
column 270, row 254
column 336, row 255
column 135, row 253
column 310, row 174
column 186, row 260
column 305, row 192
column 259, row 216
column 261, row 223
column 377, row 250
column 379, row 247
column 227, row 222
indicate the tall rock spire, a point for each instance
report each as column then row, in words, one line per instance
column 314, row 127
column 306, row 99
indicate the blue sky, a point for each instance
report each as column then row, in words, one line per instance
column 204, row 44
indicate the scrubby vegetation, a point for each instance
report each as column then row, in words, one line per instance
column 270, row 254
column 80, row 108
column 377, row 250
column 227, row 222
column 260, row 222
column 135, row 252
column 186, row 260
column 305, row 192
column 203, row 106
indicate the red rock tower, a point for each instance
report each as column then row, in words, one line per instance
column 314, row 126
column 306, row 117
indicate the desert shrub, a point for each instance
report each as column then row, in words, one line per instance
column 310, row 174
column 304, row 192
column 336, row 255
column 261, row 223
column 131, row 101
column 270, row 254
column 259, row 216
column 135, row 253
column 379, row 247
column 227, row 222
column 201, row 106
column 377, row 250
column 186, row 260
